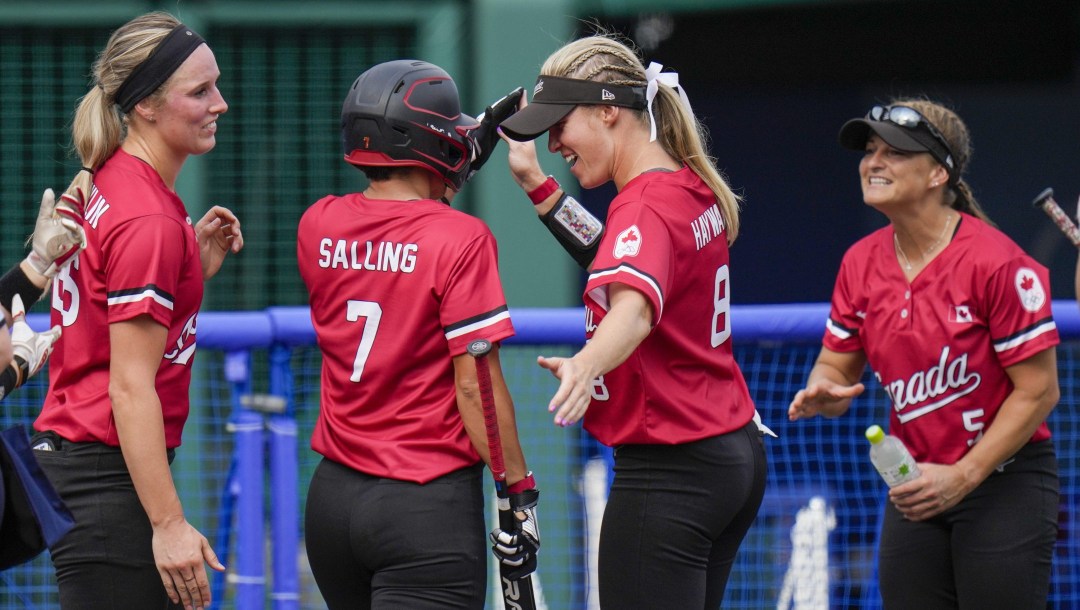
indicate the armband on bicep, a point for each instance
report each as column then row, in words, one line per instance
column 575, row 228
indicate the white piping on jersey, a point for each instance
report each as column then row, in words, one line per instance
column 836, row 329
column 599, row 294
column 906, row 416
column 1043, row 328
column 457, row 332
column 149, row 293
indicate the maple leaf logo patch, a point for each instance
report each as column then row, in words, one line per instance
column 1029, row 289
column 628, row 243
column 961, row 314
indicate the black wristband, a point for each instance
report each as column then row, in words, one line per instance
column 526, row 499
column 575, row 228
column 11, row 377
column 15, row 282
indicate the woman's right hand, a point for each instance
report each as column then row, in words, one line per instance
column 574, row 395
column 823, row 397
column 179, row 552
column 524, row 164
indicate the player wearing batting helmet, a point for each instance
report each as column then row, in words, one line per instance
column 954, row 319
column 400, row 284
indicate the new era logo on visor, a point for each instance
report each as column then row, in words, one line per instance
column 606, row 95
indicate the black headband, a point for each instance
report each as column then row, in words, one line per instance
column 180, row 43
column 558, row 90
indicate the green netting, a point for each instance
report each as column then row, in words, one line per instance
column 278, row 146
column 43, row 72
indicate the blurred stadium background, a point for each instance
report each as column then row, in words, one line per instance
column 773, row 79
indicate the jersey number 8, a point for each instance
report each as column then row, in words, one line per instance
column 721, row 321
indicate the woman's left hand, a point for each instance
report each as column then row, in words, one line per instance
column 218, row 232
column 937, row 489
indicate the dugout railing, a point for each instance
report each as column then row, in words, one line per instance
column 243, row 470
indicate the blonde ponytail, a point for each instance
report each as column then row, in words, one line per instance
column 99, row 127
column 602, row 58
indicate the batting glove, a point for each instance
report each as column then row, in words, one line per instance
column 31, row 349
column 518, row 549
column 58, row 233
column 485, row 136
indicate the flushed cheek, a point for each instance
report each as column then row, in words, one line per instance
column 587, row 176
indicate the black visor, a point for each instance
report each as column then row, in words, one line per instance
column 904, row 129
column 554, row 97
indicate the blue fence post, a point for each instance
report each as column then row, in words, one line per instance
column 284, row 481
column 250, row 574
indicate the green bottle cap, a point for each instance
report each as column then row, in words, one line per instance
column 875, row 434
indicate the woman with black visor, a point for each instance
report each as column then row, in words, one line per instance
column 954, row 319
column 657, row 379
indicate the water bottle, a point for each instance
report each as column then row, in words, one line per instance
column 890, row 457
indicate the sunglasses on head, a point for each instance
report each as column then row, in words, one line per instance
column 910, row 119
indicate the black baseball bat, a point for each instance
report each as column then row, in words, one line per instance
column 517, row 594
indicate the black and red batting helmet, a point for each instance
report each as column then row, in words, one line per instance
column 406, row 113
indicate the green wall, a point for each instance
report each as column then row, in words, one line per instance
column 285, row 69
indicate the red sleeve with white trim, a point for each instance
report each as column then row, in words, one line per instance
column 144, row 263
column 636, row 251
column 842, row 329
column 473, row 305
column 1018, row 310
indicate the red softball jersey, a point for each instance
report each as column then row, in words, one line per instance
column 397, row 288
column 667, row 239
column 940, row 345
column 141, row 258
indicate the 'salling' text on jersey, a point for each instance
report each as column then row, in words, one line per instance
column 371, row 256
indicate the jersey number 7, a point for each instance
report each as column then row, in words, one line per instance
column 371, row 313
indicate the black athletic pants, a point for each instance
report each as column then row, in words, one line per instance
column 387, row 544
column 107, row 559
column 675, row 519
column 992, row 550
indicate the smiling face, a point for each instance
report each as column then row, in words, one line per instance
column 890, row 176
column 191, row 103
column 584, row 144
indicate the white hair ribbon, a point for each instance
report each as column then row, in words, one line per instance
column 655, row 79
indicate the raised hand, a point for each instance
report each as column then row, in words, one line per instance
column 218, row 232
column 821, row 397
column 485, row 136
column 58, row 232
column 30, row 349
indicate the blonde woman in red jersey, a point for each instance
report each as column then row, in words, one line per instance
column 120, row 374
column 656, row 379
column 954, row 320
